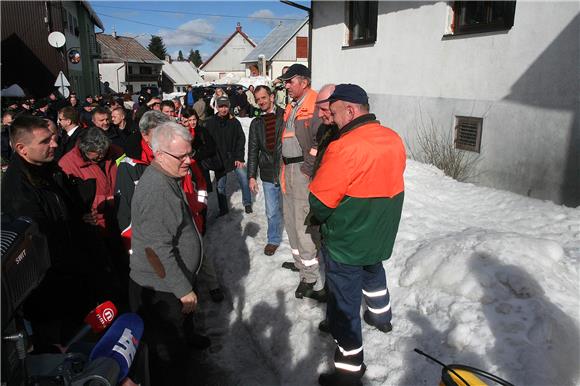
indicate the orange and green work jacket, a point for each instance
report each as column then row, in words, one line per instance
column 357, row 193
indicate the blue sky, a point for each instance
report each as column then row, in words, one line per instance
column 197, row 25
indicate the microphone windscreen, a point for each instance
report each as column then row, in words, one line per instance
column 120, row 342
column 101, row 317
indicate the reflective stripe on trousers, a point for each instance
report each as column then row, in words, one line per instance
column 345, row 286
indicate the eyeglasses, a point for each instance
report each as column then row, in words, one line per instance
column 181, row 158
column 94, row 156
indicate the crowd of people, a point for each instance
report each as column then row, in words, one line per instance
column 120, row 191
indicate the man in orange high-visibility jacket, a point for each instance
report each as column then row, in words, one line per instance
column 357, row 196
column 299, row 151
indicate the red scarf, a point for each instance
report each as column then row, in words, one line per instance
column 146, row 154
column 191, row 183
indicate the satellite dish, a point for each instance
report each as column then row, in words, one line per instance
column 56, row 39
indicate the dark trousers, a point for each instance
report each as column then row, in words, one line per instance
column 165, row 333
column 346, row 286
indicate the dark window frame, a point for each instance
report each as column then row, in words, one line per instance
column 488, row 16
column 70, row 23
column 145, row 70
column 368, row 11
column 468, row 138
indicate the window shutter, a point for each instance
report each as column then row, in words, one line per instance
column 301, row 47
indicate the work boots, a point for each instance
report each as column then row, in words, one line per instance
column 306, row 290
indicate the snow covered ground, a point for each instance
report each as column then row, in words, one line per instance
column 478, row 276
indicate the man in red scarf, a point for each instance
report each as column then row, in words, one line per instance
column 194, row 186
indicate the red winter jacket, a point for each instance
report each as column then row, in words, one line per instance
column 73, row 164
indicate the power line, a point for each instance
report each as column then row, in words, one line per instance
column 196, row 13
column 166, row 27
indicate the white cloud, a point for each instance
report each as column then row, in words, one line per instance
column 269, row 18
column 190, row 34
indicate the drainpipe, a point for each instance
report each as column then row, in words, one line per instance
column 309, row 10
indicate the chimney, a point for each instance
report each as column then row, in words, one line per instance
column 168, row 58
column 114, row 34
column 239, row 27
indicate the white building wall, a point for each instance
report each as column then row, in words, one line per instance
column 288, row 52
column 523, row 82
column 229, row 59
column 114, row 73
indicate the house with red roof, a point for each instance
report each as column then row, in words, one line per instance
column 228, row 57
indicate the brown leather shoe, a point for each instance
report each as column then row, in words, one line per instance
column 270, row 249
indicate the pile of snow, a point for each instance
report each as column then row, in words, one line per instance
column 170, row 96
column 255, row 81
column 478, row 276
column 244, row 81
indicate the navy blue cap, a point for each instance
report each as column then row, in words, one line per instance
column 348, row 93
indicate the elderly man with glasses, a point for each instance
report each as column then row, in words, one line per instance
column 167, row 252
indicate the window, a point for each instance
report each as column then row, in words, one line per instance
column 482, row 16
column 129, row 70
column 468, row 133
column 70, row 23
column 301, row 47
column 144, row 70
column 362, row 22
column 76, row 26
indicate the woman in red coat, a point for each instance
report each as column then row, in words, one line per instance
column 94, row 157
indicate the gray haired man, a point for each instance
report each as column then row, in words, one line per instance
column 167, row 252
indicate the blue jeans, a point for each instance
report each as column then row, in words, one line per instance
column 273, row 199
column 242, row 175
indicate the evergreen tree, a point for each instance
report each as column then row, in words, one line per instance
column 157, row 47
column 180, row 56
column 195, row 57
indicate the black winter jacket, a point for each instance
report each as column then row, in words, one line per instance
column 258, row 154
column 44, row 194
column 229, row 139
column 203, row 143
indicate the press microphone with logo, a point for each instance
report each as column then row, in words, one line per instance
column 120, row 343
column 97, row 321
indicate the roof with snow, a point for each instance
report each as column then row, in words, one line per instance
column 225, row 43
column 181, row 72
column 93, row 14
column 124, row 49
column 275, row 40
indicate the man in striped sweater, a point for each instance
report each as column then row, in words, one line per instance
column 264, row 154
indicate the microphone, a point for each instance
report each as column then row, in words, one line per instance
column 97, row 320
column 120, row 343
